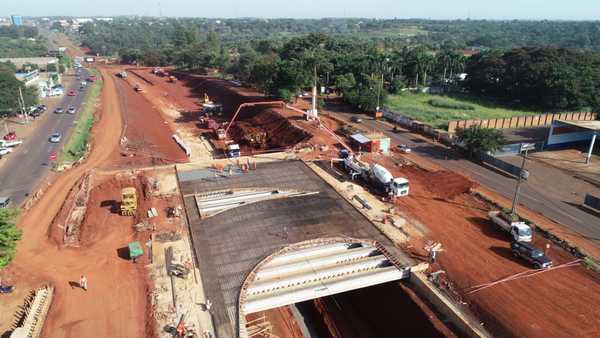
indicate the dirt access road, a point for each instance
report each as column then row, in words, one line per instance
column 550, row 304
column 115, row 304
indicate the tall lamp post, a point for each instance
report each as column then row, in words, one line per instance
column 525, row 147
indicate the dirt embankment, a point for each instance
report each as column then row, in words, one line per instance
column 267, row 130
column 258, row 128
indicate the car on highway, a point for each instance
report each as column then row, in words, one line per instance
column 4, row 202
column 71, row 110
column 55, row 138
column 531, row 254
column 356, row 119
column 403, row 148
column 59, row 110
column 11, row 135
column 82, row 88
column 72, row 93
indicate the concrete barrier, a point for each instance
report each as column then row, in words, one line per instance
column 462, row 320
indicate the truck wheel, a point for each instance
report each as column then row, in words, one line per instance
column 537, row 265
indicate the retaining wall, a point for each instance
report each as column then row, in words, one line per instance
column 425, row 289
column 522, row 121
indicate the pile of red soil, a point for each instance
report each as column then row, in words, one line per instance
column 447, row 184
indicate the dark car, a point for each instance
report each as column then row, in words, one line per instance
column 356, row 119
column 531, row 254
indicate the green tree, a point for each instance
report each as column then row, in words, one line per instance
column 9, row 93
column 9, row 235
column 480, row 140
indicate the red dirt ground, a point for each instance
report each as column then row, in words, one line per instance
column 186, row 96
column 149, row 136
column 116, row 303
column 546, row 305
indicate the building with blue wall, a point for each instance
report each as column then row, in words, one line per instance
column 579, row 134
column 16, row 20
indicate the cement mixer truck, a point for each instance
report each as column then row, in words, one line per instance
column 377, row 176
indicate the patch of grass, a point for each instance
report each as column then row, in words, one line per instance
column 77, row 144
column 450, row 104
column 438, row 110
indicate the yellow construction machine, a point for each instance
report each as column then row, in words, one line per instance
column 128, row 201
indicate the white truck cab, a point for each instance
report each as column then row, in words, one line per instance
column 400, row 187
column 519, row 231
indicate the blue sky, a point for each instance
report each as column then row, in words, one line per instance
column 433, row 9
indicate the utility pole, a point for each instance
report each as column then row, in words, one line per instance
column 22, row 104
column 524, row 148
column 379, row 91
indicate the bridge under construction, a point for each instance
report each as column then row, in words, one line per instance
column 277, row 235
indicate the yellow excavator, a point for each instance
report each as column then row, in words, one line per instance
column 128, row 201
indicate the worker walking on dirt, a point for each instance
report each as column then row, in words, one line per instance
column 83, row 283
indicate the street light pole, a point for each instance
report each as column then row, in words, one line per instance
column 513, row 210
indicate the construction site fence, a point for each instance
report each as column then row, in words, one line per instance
column 592, row 201
column 532, row 121
column 419, row 127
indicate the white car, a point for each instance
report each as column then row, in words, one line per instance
column 55, row 138
column 404, row 148
column 5, row 151
column 71, row 110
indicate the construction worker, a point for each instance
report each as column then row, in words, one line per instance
column 83, row 283
column 432, row 255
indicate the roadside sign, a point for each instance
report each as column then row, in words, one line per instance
column 53, row 156
column 527, row 146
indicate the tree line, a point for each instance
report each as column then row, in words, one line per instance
column 549, row 78
column 363, row 71
column 9, row 90
column 109, row 37
column 21, row 41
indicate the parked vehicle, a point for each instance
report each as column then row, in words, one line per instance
column 122, row 75
column 43, row 107
column 11, row 135
column 11, row 143
column 59, row 110
column 356, row 119
column 404, row 148
column 72, row 93
column 376, row 176
column 4, row 201
column 233, row 150
column 71, row 110
column 531, row 254
column 55, row 138
column 519, row 231
column 5, row 151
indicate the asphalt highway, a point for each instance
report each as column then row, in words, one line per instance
column 29, row 163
